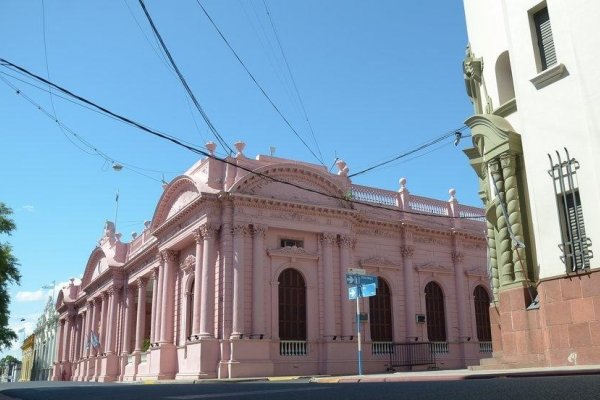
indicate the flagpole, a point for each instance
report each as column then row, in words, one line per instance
column 116, row 209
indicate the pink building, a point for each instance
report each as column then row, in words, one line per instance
column 242, row 273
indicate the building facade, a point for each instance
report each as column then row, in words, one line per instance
column 241, row 272
column 45, row 343
column 530, row 71
column 27, row 360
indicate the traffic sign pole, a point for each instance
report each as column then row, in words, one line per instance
column 358, row 330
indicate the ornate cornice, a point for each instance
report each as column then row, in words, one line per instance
column 240, row 230
column 476, row 271
column 457, row 257
column 259, row 229
column 293, row 253
column 328, row 238
column 189, row 263
column 208, row 231
column 433, row 268
column 378, row 262
column 407, row 250
column 347, row 241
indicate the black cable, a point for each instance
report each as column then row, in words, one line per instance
column 292, row 77
column 184, row 82
column 423, row 146
column 224, row 160
column 258, row 84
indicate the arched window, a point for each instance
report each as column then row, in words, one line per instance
column 292, row 305
column 380, row 310
column 436, row 317
column 189, row 317
column 482, row 314
column 504, row 78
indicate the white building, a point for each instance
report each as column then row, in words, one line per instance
column 532, row 73
column 45, row 343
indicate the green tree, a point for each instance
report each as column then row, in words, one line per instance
column 8, row 360
column 9, row 273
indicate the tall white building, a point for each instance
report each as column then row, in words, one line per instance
column 531, row 71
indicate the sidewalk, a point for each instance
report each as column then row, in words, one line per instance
column 460, row 374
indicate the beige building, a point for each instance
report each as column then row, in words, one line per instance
column 531, row 71
column 27, row 361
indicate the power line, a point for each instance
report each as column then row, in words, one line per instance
column 259, row 85
column 292, row 77
column 184, row 82
column 224, row 160
column 419, row 148
column 64, row 128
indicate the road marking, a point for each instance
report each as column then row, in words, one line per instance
column 247, row 393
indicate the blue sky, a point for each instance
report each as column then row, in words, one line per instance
column 376, row 79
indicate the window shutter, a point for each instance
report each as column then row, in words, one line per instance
column 545, row 39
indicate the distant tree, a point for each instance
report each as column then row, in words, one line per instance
column 9, row 273
column 8, row 360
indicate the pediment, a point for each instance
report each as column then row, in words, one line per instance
column 177, row 195
column 292, row 182
column 97, row 263
column 434, row 268
column 378, row 262
column 292, row 252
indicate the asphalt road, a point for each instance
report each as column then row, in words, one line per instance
column 579, row 387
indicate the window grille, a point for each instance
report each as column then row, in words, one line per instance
column 292, row 306
column 292, row 243
column 482, row 314
column 436, row 318
column 380, row 308
column 575, row 246
column 545, row 41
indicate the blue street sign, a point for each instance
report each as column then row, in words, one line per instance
column 361, row 291
column 368, row 290
column 355, row 280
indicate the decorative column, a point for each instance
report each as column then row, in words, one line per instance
column 104, row 322
column 508, row 164
column 95, row 319
column 491, row 241
column 346, row 243
column 459, row 282
column 327, row 239
column 60, row 338
column 207, row 309
column 168, row 296
column 197, row 282
column 407, row 249
column 66, row 338
column 127, row 321
column 77, row 334
column 88, row 327
column 158, row 318
column 155, row 307
column 239, row 235
column 258, row 288
column 503, row 240
column 141, row 314
column 113, row 294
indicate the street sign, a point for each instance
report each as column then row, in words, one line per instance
column 355, row 280
column 367, row 290
column 356, row 271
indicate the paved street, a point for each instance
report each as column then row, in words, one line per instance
column 580, row 387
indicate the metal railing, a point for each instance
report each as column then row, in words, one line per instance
column 485, row 347
column 293, row 348
column 440, row 347
column 381, row 348
column 410, row 354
